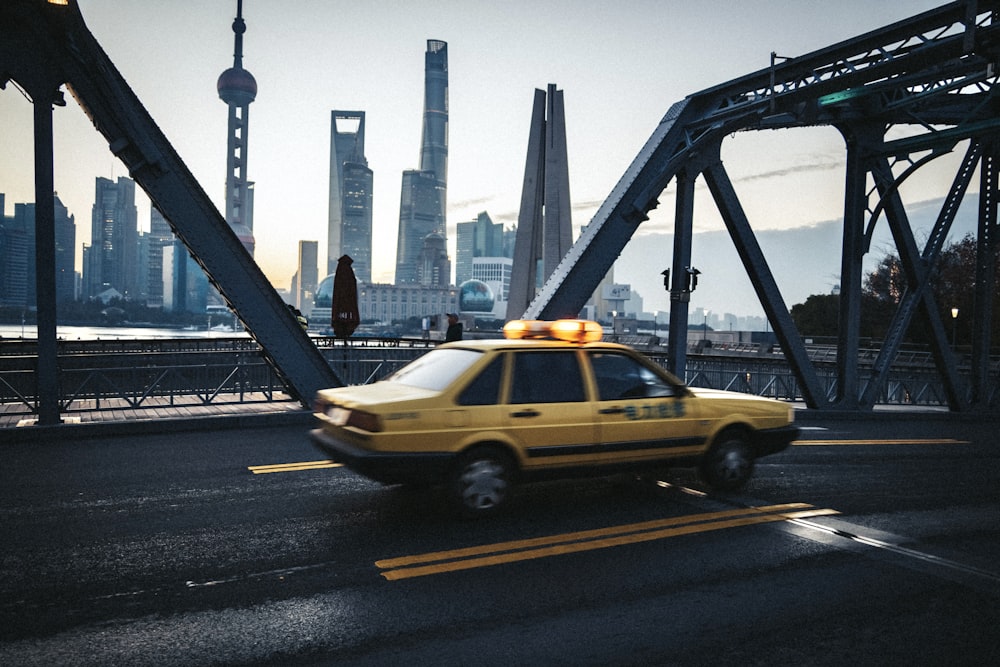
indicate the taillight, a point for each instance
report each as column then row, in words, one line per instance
column 366, row 421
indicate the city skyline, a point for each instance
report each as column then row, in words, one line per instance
column 604, row 66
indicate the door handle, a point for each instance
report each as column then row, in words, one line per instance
column 612, row 411
column 525, row 413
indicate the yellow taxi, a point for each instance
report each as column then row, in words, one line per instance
column 548, row 400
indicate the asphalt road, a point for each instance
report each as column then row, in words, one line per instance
column 874, row 541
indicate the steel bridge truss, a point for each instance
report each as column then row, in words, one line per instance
column 934, row 75
column 44, row 45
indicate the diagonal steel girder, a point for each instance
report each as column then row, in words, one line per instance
column 986, row 268
column 917, row 269
column 764, row 284
column 935, row 69
column 48, row 44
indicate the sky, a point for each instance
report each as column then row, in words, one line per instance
column 620, row 64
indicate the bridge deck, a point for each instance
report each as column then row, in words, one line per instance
column 158, row 408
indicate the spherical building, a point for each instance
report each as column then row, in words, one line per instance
column 475, row 296
column 237, row 86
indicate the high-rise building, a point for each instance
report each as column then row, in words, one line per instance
column 495, row 272
column 349, row 231
column 434, row 265
column 185, row 284
column 160, row 235
column 478, row 238
column 423, row 200
column 65, row 227
column 544, row 222
column 18, row 269
column 111, row 263
column 13, row 261
column 307, row 276
column 237, row 88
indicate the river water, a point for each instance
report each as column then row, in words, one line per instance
column 28, row 331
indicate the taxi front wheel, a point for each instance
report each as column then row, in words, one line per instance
column 728, row 463
column 481, row 481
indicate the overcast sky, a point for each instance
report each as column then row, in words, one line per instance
column 620, row 65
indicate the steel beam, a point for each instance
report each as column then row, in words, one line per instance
column 858, row 139
column 45, row 263
column 680, row 293
column 986, row 249
column 917, row 269
column 41, row 40
column 764, row 284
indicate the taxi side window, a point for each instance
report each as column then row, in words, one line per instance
column 620, row 377
column 547, row 377
column 485, row 389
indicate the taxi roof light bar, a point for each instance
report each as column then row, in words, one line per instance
column 571, row 331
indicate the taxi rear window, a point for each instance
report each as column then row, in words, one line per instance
column 437, row 369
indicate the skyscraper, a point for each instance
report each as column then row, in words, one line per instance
column 307, row 276
column 423, row 199
column 17, row 255
column 237, row 88
column 160, row 235
column 112, row 259
column 65, row 253
column 544, row 222
column 478, row 238
column 349, row 231
column 13, row 261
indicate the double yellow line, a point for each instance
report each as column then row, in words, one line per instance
column 317, row 465
column 900, row 441
column 500, row 553
column 293, row 467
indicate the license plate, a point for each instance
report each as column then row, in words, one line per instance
column 339, row 415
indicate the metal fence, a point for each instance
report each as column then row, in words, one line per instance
column 132, row 374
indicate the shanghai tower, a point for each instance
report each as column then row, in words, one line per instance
column 423, row 199
column 237, row 88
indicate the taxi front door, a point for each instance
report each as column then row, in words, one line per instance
column 640, row 415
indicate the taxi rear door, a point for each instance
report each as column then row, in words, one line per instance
column 548, row 411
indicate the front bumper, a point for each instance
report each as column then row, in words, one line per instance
column 773, row 440
column 385, row 467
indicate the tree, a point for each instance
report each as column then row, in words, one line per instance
column 952, row 283
column 818, row 315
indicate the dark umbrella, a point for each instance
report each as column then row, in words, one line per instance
column 345, row 314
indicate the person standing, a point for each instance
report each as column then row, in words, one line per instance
column 454, row 331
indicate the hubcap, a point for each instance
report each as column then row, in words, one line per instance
column 483, row 485
column 732, row 466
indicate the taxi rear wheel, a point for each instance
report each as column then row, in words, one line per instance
column 728, row 464
column 481, row 481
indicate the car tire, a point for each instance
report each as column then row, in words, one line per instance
column 481, row 481
column 728, row 464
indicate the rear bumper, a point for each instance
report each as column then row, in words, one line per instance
column 774, row 440
column 388, row 468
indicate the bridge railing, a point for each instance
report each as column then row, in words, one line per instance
column 101, row 375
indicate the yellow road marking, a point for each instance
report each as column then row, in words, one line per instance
column 557, row 545
column 317, row 465
column 293, row 467
column 898, row 441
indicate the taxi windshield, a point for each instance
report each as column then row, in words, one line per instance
column 437, row 369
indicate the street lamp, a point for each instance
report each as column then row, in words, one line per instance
column 954, row 326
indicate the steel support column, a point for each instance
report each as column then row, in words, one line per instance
column 858, row 139
column 680, row 295
column 45, row 264
column 917, row 267
column 989, row 233
column 764, row 284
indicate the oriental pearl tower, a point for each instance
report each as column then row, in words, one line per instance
column 237, row 88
